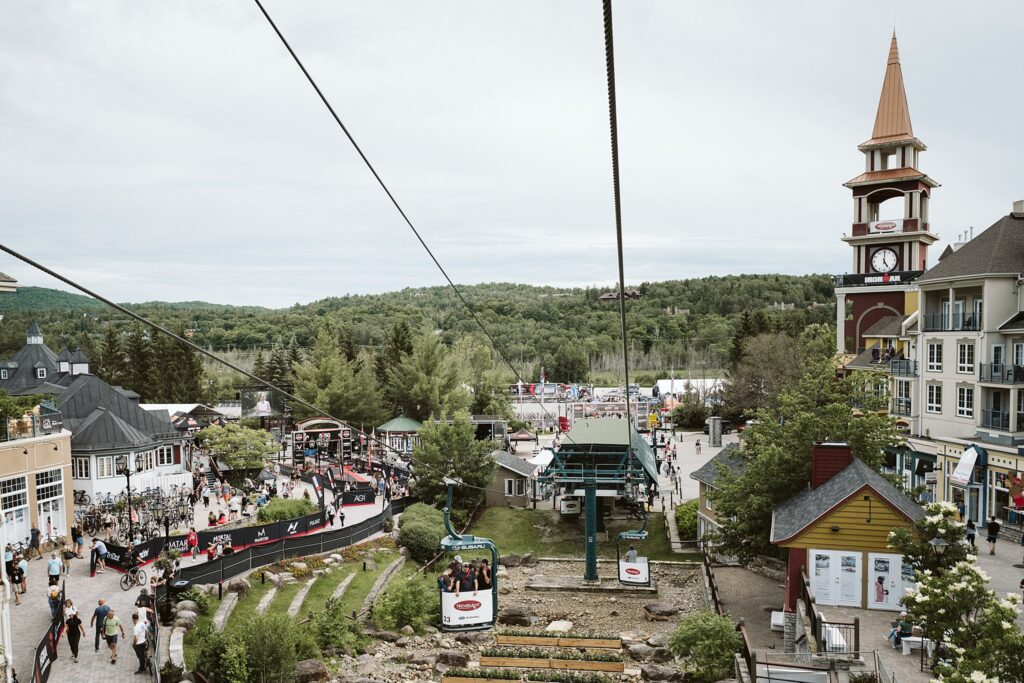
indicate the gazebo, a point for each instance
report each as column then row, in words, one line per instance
column 400, row 433
column 523, row 435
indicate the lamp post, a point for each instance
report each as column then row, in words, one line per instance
column 938, row 545
column 124, row 467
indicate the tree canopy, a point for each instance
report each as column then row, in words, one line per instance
column 239, row 447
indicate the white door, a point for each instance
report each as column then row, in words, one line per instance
column 884, row 581
column 837, row 576
column 823, row 576
column 850, row 578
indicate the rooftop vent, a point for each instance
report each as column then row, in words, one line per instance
column 1018, row 208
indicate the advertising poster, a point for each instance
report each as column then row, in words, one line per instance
column 261, row 402
column 637, row 573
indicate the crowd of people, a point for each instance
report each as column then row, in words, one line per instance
column 465, row 577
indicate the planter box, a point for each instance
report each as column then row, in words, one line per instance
column 563, row 664
column 556, row 641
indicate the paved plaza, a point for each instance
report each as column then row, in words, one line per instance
column 30, row 620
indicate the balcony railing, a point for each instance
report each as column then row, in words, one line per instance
column 1002, row 373
column 943, row 322
column 28, row 426
column 995, row 419
column 901, row 406
column 903, row 367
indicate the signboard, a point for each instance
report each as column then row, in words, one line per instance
column 965, row 468
column 852, row 279
column 467, row 609
column 637, row 573
column 895, row 225
column 261, row 402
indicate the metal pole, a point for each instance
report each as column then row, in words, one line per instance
column 128, row 476
column 590, row 532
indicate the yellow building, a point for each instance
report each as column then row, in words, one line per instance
column 837, row 532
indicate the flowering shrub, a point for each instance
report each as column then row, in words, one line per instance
column 940, row 522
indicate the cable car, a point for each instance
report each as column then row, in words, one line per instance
column 468, row 609
column 633, row 571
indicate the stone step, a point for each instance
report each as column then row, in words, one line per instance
column 296, row 605
column 220, row 618
column 265, row 601
column 343, row 586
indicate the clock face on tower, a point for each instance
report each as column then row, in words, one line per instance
column 883, row 260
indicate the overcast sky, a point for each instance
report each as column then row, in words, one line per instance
column 173, row 150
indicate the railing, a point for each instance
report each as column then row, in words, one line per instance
column 1002, row 373
column 747, row 652
column 612, row 473
column 838, row 637
column 880, row 673
column 943, row 322
column 812, row 612
column 29, row 426
column 716, row 599
column 903, row 367
column 901, row 406
column 995, row 419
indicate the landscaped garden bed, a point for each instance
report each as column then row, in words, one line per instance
column 547, row 639
column 490, row 675
column 530, row 658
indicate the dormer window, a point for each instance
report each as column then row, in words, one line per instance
column 3, row 374
column 40, row 373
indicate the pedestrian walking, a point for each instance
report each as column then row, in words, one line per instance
column 206, row 495
column 193, row 543
column 73, row 627
column 972, row 531
column 111, row 626
column 53, row 598
column 993, row 534
column 79, row 540
column 99, row 615
column 23, row 565
column 33, row 543
column 697, row 446
column 54, row 567
column 15, row 574
column 139, row 642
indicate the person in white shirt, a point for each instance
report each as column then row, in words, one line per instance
column 631, row 554
column 139, row 641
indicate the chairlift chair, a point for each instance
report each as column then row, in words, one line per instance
column 467, row 610
column 636, row 572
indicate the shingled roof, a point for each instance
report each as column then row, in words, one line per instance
column 889, row 326
column 996, row 251
column 511, row 462
column 798, row 513
column 729, row 458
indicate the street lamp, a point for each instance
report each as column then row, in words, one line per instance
column 123, row 467
column 938, row 545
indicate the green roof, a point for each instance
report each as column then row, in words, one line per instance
column 592, row 433
column 400, row 424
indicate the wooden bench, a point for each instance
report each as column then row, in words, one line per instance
column 834, row 640
column 916, row 643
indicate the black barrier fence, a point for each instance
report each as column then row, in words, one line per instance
column 46, row 650
column 279, row 550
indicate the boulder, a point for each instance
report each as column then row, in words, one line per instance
column 632, row 637
column 504, row 590
column 510, row 560
column 366, row 668
column 515, row 615
column 659, row 672
column 275, row 578
column 475, row 638
column 658, row 640
column 298, row 567
column 502, row 572
column 403, row 642
column 661, row 654
column 429, row 629
column 408, row 630
column 559, row 626
column 311, row 670
column 639, row 651
column 424, row 660
column 453, row 658
column 186, row 619
column 529, row 560
column 317, row 573
column 240, row 586
column 404, row 552
column 337, row 558
column 370, row 565
column 187, row 606
column 386, row 636
column 659, row 611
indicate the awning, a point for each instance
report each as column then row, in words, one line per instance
column 923, row 467
column 964, row 471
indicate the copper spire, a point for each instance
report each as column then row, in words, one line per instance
column 892, row 122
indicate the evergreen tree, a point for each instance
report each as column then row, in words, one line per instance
column 424, row 385
column 137, row 372
column 325, row 378
column 188, row 378
column 347, row 340
column 259, row 366
column 364, row 394
column 294, row 353
column 744, row 330
column 279, row 370
column 111, row 364
column 397, row 346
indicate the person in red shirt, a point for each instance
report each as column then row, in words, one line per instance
column 193, row 542
column 211, row 551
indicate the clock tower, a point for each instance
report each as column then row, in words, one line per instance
column 890, row 246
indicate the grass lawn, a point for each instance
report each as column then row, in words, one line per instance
column 324, row 587
column 245, row 608
column 361, row 585
column 546, row 534
column 192, row 635
column 284, row 596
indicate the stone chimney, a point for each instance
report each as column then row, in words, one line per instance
column 1018, row 208
column 827, row 460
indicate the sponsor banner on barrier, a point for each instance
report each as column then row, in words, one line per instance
column 359, row 497
column 467, row 608
column 635, row 572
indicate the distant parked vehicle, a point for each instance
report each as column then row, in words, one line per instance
column 726, row 427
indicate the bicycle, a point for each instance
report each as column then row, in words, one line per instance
column 81, row 497
column 135, row 576
column 53, row 542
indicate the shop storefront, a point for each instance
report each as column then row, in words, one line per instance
column 966, row 482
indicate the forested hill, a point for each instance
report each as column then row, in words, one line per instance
column 669, row 322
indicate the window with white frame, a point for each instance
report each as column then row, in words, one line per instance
column 13, row 493
column 510, row 487
column 165, row 455
column 965, row 401
column 105, row 467
column 79, row 468
column 4, row 375
column 49, row 485
column 41, row 373
column 935, row 357
column 965, row 357
column 933, row 404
